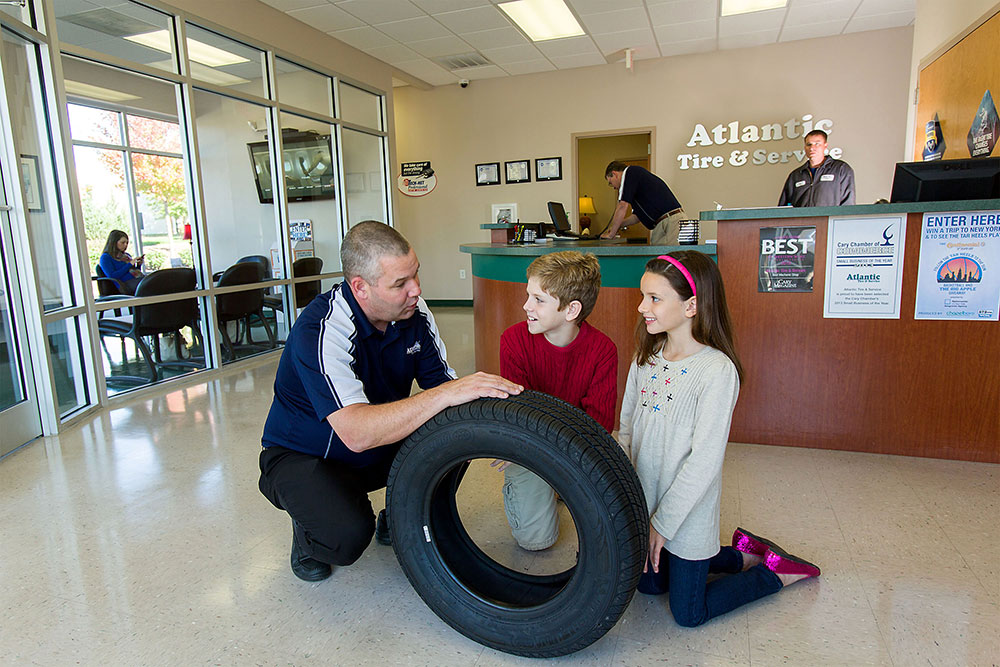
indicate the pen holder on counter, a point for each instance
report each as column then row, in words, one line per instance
column 524, row 233
column 688, row 234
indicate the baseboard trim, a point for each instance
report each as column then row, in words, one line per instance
column 449, row 303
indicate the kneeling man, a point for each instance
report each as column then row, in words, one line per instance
column 342, row 399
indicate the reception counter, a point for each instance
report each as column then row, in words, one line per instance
column 891, row 386
column 498, row 284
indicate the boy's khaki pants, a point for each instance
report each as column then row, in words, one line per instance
column 531, row 510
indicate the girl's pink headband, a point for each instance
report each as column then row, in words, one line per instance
column 684, row 272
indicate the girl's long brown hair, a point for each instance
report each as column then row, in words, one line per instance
column 712, row 325
column 111, row 247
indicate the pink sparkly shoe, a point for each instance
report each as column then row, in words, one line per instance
column 779, row 562
column 749, row 543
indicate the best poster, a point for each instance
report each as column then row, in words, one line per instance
column 958, row 277
column 787, row 259
column 864, row 267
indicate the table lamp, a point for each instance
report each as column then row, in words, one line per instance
column 586, row 209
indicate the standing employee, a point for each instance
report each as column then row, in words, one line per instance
column 653, row 204
column 821, row 181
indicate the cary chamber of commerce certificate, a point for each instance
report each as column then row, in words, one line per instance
column 959, row 273
column 864, row 267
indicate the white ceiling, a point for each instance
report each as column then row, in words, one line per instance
column 412, row 35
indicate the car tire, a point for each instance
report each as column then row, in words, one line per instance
column 511, row 611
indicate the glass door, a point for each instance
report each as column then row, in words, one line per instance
column 19, row 417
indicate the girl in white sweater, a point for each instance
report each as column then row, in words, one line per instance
column 678, row 405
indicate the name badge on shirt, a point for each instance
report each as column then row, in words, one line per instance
column 826, row 177
column 799, row 184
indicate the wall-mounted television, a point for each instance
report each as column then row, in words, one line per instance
column 946, row 180
column 308, row 167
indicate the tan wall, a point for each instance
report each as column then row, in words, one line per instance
column 859, row 81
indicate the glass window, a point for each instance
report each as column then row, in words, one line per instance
column 11, row 386
column 65, row 337
column 360, row 106
column 310, row 167
column 124, row 30
column 364, row 178
column 239, row 209
column 91, row 124
column 152, row 134
column 225, row 62
column 130, row 169
column 104, row 200
column 304, row 88
column 42, row 212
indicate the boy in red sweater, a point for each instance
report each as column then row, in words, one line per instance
column 555, row 351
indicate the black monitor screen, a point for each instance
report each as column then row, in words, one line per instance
column 946, row 180
column 559, row 218
column 308, row 168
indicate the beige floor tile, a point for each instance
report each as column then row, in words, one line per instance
column 640, row 653
column 138, row 537
column 648, row 619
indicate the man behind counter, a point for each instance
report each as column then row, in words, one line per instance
column 821, row 181
column 653, row 204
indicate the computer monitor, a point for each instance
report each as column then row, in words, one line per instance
column 557, row 212
column 946, row 180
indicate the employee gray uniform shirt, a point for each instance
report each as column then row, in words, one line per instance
column 832, row 184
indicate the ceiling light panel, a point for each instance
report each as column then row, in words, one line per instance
column 93, row 92
column 734, row 7
column 206, row 54
column 543, row 20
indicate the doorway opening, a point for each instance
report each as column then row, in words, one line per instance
column 594, row 150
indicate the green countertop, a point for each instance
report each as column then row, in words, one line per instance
column 609, row 248
column 622, row 264
column 860, row 209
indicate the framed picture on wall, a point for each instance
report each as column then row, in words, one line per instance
column 548, row 169
column 518, row 171
column 488, row 173
column 354, row 182
column 32, row 176
column 504, row 214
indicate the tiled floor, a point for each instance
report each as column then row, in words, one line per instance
column 139, row 538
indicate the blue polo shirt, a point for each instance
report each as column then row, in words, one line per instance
column 649, row 196
column 334, row 357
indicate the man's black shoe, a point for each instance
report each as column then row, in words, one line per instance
column 306, row 568
column 382, row 529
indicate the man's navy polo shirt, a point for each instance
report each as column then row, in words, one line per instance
column 334, row 357
column 649, row 196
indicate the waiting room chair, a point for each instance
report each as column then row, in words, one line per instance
column 304, row 292
column 262, row 262
column 241, row 306
column 156, row 319
column 105, row 286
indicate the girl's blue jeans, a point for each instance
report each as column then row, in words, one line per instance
column 693, row 599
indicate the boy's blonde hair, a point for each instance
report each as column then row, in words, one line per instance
column 569, row 276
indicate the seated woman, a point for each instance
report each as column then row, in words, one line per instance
column 118, row 264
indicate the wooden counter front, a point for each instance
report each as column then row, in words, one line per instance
column 888, row 386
